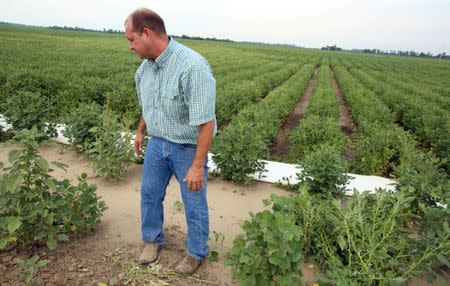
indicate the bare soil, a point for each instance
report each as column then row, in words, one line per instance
column 281, row 145
column 345, row 118
column 86, row 260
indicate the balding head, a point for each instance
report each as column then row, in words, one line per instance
column 146, row 18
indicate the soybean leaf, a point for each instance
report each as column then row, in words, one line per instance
column 342, row 243
column 51, row 242
column 19, row 261
column 213, row 256
column 60, row 165
column 13, row 223
column 13, row 181
column 42, row 263
column 49, row 183
column 13, row 155
column 43, row 164
column 4, row 241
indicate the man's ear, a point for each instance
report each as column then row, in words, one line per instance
column 147, row 32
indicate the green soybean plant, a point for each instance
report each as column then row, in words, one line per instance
column 324, row 172
column 36, row 207
column 111, row 152
column 237, row 152
column 29, row 268
column 270, row 251
column 26, row 109
column 79, row 123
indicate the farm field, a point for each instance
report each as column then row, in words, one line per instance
column 331, row 112
column 404, row 100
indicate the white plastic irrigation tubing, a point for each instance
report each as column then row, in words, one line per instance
column 275, row 172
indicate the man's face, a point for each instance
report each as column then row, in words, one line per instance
column 138, row 43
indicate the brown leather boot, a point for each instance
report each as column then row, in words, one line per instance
column 188, row 265
column 150, row 253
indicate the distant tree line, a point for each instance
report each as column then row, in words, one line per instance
column 78, row 29
column 391, row 52
column 331, row 48
column 403, row 53
column 201, row 38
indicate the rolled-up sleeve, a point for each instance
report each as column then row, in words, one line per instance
column 199, row 88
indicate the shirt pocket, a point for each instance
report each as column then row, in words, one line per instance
column 174, row 105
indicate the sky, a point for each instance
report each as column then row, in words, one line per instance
column 419, row 25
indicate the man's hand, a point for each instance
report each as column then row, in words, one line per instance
column 138, row 141
column 195, row 178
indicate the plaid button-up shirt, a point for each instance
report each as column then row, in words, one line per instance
column 177, row 93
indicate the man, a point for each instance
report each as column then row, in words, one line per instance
column 176, row 90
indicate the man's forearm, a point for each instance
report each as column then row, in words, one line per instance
column 205, row 135
column 141, row 127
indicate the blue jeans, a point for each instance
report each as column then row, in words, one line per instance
column 162, row 160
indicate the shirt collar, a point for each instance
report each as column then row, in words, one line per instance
column 165, row 55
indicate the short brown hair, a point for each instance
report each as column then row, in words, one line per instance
column 146, row 18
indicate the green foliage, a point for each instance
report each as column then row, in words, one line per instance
column 419, row 114
column 269, row 253
column 123, row 101
column 433, row 245
column 79, row 123
column 366, row 107
column 5, row 135
column 26, row 109
column 417, row 175
column 323, row 101
column 378, row 149
column 314, row 131
column 233, row 97
column 311, row 214
column 237, row 152
column 238, row 148
column 111, row 152
column 367, row 239
column 324, row 172
column 370, row 239
column 36, row 207
column 29, row 268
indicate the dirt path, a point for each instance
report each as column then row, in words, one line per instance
column 345, row 118
column 281, row 145
column 83, row 261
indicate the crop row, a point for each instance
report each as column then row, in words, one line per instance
column 246, row 139
column 381, row 147
column 406, row 84
column 236, row 96
column 429, row 122
column 320, row 125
